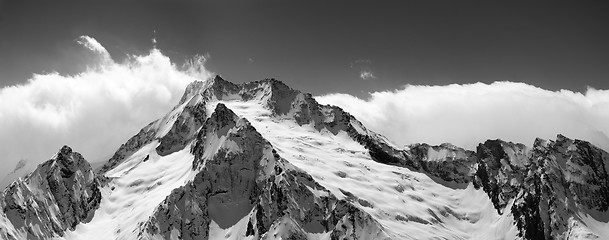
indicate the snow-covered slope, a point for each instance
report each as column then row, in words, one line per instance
column 260, row 160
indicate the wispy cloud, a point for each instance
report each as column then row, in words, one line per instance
column 468, row 114
column 94, row 111
column 365, row 74
column 364, row 68
column 101, row 55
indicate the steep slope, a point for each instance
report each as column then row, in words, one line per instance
column 173, row 131
column 246, row 191
column 58, row 195
column 564, row 191
column 143, row 172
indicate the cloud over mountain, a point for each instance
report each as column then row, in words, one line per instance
column 94, row 111
column 471, row 113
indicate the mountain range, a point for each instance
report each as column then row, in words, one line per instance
column 261, row 160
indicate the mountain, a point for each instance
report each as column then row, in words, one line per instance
column 261, row 160
column 61, row 193
column 22, row 168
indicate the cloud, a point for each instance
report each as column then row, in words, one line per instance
column 366, row 74
column 364, row 68
column 94, row 111
column 466, row 115
column 96, row 47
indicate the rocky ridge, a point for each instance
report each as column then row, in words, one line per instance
column 246, row 178
column 58, row 195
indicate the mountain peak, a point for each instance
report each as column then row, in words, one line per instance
column 64, row 155
column 223, row 116
column 61, row 193
column 65, row 150
column 219, row 81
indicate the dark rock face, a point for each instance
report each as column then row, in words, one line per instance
column 568, row 176
column 447, row 162
column 499, row 174
column 183, row 130
column 246, row 179
column 58, row 195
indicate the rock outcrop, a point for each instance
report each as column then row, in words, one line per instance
column 58, row 195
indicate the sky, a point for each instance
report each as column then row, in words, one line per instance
column 90, row 74
column 325, row 46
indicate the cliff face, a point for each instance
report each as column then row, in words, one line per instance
column 58, row 195
column 566, row 179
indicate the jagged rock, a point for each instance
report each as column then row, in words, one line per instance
column 448, row 162
column 58, row 195
column 501, row 170
column 246, row 179
column 302, row 107
column 549, row 185
column 569, row 176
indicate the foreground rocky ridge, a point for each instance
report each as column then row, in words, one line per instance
column 242, row 185
column 58, row 195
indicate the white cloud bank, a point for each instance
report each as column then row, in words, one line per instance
column 93, row 112
column 466, row 115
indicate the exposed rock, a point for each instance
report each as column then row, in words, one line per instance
column 58, row 195
column 246, row 178
column 501, row 174
column 448, row 162
column 548, row 185
column 183, row 130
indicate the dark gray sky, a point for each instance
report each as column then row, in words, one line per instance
column 322, row 46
